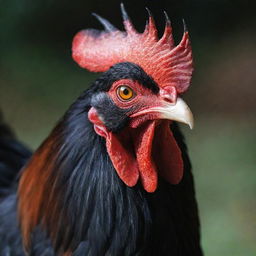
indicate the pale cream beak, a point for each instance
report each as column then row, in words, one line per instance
column 179, row 112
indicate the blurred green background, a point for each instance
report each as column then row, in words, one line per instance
column 39, row 80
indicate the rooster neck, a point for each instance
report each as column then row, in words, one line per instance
column 83, row 206
column 76, row 194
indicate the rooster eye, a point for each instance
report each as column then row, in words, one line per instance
column 124, row 92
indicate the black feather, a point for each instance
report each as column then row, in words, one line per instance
column 13, row 156
column 124, row 70
column 114, row 117
column 86, row 208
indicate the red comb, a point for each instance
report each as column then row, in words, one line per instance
column 167, row 64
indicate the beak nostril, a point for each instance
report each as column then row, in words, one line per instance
column 170, row 98
column 169, row 94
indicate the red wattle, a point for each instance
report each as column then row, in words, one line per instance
column 167, row 154
column 146, row 152
column 120, row 150
column 143, row 139
column 142, row 152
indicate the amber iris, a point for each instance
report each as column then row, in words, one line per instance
column 125, row 92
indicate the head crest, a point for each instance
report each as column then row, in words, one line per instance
column 167, row 64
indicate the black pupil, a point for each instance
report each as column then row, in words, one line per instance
column 125, row 91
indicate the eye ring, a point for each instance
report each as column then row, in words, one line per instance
column 125, row 93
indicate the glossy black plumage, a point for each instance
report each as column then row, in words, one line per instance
column 88, row 209
column 13, row 156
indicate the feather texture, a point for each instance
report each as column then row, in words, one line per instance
column 86, row 207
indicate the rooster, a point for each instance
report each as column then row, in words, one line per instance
column 113, row 177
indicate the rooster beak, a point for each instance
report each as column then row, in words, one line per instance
column 179, row 112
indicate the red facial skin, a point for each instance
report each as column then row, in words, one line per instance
column 170, row 67
column 146, row 147
column 143, row 98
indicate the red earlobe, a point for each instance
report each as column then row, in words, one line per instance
column 99, row 126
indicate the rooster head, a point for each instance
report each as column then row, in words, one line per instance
column 137, row 97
